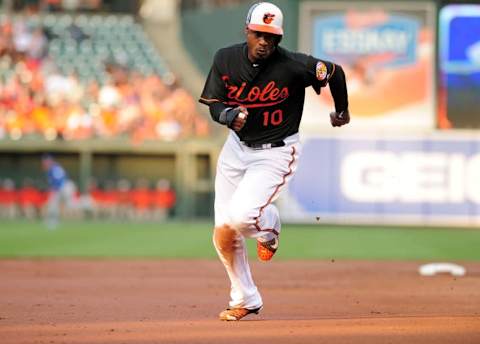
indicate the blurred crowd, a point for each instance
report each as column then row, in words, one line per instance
column 39, row 99
column 120, row 200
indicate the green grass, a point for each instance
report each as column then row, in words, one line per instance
column 193, row 240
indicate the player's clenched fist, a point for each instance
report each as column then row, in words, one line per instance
column 339, row 118
column 234, row 118
column 241, row 118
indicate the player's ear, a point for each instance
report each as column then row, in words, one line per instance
column 245, row 30
column 279, row 39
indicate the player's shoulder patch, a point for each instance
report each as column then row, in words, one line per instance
column 321, row 71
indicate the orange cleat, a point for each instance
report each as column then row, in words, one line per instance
column 235, row 314
column 266, row 250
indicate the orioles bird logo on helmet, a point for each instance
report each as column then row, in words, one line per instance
column 268, row 18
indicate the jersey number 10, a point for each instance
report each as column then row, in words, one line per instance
column 274, row 118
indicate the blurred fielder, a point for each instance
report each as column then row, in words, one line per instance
column 257, row 89
column 61, row 191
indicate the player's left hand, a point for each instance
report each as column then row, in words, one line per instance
column 339, row 118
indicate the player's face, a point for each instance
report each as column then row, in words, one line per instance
column 260, row 44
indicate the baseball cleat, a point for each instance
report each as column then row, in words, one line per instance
column 266, row 250
column 235, row 314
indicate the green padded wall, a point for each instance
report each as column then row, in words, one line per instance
column 204, row 32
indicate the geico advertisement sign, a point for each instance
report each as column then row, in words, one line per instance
column 419, row 176
column 410, row 177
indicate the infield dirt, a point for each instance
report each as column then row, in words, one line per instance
column 165, row 301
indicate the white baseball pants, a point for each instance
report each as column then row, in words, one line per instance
column 247, row 182
column 65, row 195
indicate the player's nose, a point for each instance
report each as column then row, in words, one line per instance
column 262, row 41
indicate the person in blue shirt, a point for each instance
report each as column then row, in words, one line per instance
column 60, row 190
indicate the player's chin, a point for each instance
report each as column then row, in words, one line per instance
column 263, row 54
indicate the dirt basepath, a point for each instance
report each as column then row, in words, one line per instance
column 136, row 302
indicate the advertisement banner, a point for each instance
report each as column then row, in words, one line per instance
column 421, row 180
column 459, row 50
column 387, row 52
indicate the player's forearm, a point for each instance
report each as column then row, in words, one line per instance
column 217, row 111
column 338, row 88
column 228, row 116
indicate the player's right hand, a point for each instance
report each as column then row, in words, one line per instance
column 241, row 118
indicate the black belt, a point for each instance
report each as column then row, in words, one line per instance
column 264, row 145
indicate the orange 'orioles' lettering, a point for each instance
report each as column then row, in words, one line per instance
column 268, row 96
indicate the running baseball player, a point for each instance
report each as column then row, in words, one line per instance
column 257, row 89
column 61, row 190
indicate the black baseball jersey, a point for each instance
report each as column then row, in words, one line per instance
column 273, row 90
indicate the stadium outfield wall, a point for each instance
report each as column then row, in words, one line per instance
column 428, row 179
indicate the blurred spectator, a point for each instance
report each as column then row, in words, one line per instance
column 140, row 198
column 30, row 200
column 8, row 199
column 105, row 199
column 93, row 198
column 163, row 200
column 37, row 48
column 123, row 200
column 51, row 5
column 86, row 206
column 110, row 199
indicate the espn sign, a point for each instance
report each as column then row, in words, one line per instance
column 410, row 177
column 414, row 179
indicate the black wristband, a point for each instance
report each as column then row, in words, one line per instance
column 228, row 115
column 222, row 119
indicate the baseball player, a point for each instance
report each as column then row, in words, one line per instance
column 61, row 190
column 257, row 89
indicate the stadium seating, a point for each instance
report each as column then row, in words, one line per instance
column 89, row 76
column 85, row 43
